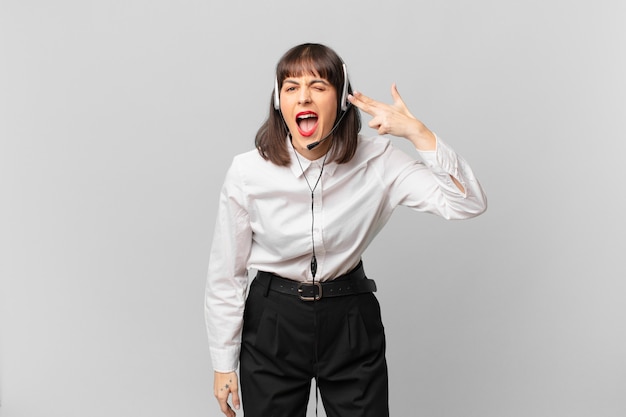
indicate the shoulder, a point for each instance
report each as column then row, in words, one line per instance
column 379, row 154
column 250, row 161
column 250, row 167
column 374, row 142
column 249, row 157
column 375, row 148
column 370, row 147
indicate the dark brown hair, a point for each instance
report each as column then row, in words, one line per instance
column 310, row 58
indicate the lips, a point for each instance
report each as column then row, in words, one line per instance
column 307, row 123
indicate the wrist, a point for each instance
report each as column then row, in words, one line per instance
column 422, row 138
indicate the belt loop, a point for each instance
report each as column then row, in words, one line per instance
column 269, row 284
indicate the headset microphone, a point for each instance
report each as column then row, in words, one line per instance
column 311, row 146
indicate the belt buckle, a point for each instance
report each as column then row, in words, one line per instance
column 315, row 297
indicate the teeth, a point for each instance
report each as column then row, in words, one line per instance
column 306, row 116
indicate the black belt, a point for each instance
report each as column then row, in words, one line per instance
column 354, row 282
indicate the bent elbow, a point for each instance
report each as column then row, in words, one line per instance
column 468, row 208
column 479, row 206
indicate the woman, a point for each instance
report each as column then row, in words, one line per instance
column 301, row 209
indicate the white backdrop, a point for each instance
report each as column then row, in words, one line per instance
column 119, row 118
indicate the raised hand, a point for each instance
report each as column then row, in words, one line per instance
column 395, row 119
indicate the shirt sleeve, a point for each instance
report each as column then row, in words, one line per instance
column 426, row 184
column 227, row 277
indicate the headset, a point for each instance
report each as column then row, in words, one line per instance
column 344, row 94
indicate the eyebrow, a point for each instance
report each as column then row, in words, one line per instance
column 313, row 81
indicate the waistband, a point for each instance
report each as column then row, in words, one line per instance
column 354, row 282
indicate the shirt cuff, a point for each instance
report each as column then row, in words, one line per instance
column 225, row 360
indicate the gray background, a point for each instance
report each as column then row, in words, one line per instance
column 119, row 118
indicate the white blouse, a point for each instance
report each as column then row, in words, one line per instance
column 265, row 221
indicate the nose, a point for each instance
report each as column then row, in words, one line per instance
column 304, row 97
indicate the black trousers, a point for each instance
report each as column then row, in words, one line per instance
column 287, row 342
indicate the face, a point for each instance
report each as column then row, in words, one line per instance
column 309, row 106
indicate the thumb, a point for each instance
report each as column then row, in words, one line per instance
column 397, row 99
column 398, row 102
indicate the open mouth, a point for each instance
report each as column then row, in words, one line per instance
column 307, row 123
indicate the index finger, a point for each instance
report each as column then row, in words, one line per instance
column 362, row 102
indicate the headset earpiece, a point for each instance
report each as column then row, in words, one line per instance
column 276, row 95
column 344, row 93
